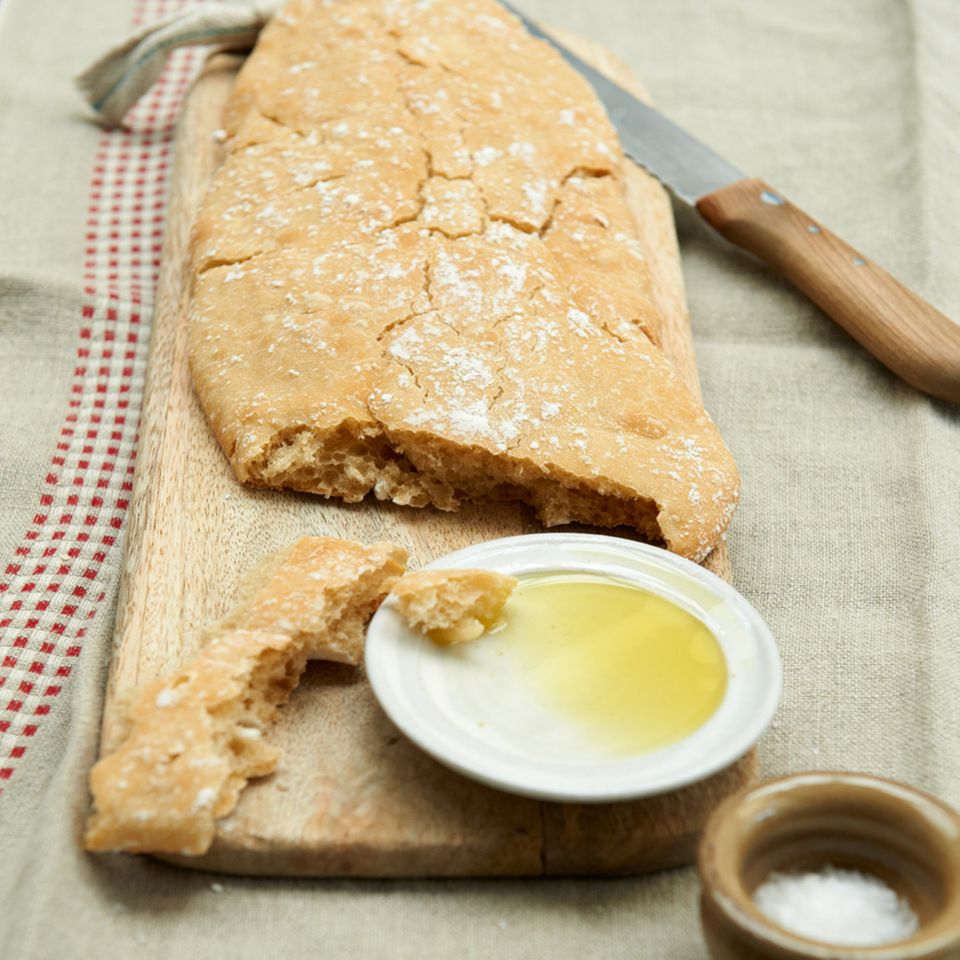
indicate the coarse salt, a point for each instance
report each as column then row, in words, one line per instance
column 841, row 907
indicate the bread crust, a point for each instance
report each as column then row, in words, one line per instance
column 417, row 277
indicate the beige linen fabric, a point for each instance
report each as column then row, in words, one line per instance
column 847, row 538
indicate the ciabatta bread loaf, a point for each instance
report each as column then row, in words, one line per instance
column 417, row 277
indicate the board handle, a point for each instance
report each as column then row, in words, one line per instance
column 902, row 330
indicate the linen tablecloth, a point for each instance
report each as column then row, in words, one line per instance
column 847, row 538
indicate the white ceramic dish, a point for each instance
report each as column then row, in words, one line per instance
column 467, row 707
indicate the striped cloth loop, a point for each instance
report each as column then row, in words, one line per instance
column 117, row 80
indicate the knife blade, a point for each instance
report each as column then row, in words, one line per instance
column 678, row 160
column 902, row 330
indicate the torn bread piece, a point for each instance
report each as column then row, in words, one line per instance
column 452, row 606
column 193, row 741
column 417, row 276
column 322, row 590
column 188, row 743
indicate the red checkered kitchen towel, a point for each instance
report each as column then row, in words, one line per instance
column 57, row 577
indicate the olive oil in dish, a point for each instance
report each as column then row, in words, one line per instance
column 632, row 669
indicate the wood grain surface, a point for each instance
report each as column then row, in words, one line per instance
column 351, row 796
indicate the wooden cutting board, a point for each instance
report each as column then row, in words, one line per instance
column 351, row 796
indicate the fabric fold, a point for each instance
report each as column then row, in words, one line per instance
column 114, row 82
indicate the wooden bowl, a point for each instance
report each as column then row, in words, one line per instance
column 803, row 822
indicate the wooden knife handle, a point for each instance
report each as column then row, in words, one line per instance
column 898, row 327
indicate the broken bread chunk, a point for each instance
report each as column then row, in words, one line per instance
column 193, row 741
column 321, row 589
column 188, row 743
column 452, row 606
column 417, row 276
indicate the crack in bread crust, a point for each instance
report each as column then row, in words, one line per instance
column 417, row 262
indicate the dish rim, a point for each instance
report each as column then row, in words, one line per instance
column 391, row 644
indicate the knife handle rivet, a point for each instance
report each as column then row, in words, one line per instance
column 771, row 198
column 858, row 261
column 813, row 228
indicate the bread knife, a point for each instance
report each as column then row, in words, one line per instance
column 896, row 325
